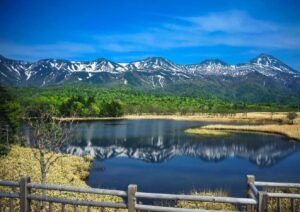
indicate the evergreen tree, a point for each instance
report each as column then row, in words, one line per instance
column 10, row 117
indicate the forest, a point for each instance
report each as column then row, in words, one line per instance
column 93, row 101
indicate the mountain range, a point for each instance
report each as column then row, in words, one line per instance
column 264, row 77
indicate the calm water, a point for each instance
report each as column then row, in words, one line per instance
column 159, row 157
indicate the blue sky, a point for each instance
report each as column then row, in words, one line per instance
column 184, row 31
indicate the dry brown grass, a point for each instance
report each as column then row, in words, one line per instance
column 292, row 131
column 284, row 202
column 70, row 170
column 207, row 205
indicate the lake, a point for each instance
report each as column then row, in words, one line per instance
column 159, row 157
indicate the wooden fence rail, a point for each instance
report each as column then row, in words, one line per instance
column 265, row 196
column 256, row 200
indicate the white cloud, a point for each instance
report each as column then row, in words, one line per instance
column 232, row 28
column 230, row 22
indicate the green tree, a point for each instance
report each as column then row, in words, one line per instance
column 112, row 109
column 10, row 118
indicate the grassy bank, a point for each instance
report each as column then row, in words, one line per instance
column 69, row 170
column 207, row 132
column 291, row 131
column 281, row 127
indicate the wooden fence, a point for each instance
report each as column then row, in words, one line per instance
column 256, row 200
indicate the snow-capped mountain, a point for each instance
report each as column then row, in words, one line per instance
column 271, row 63
column 99, row 65
column 264, row 64
column 210, row 67
column 152, row 64
column 12, row 71
column 262, row 74
column 157, row 71
column 51, row 71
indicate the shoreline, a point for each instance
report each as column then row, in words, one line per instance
column 289, row 131
column 251, row 117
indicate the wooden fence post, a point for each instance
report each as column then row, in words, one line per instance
column 262, row 201
column 131, row 198
column 24, row 192
column 250, row 179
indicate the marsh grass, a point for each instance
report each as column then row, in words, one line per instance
column 285, row 203
column 292, row 131
column 207, row 205
column 208, row 132
column 69, row 170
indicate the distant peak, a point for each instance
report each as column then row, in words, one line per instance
column 157, row 59
column 264, row 55
column 264, row 59
column 100, row 59
column 214, row 61
column 52, row 60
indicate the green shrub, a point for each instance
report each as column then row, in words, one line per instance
column 4, row 149
column 291, row 116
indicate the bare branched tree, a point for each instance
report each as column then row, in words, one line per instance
column 48, row 136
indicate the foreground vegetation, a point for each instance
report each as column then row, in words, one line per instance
column 207, row 205
column 72, row 170
column 69, row 170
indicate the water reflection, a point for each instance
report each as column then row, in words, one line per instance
column 157, row 141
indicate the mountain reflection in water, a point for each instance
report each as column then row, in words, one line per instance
column 157, row 141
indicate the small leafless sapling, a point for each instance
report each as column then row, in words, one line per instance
column 48, row 135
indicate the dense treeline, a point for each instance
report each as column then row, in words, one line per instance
column 102, row 102
column 10, row 117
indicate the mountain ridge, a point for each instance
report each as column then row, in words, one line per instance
column 205, row 61
column 262, row 78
